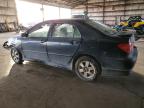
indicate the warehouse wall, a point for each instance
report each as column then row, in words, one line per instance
column 111, row 11
column 7, row 11
column 8, row 14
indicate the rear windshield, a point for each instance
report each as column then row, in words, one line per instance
column 101, row 27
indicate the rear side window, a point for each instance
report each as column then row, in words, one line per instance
column 77, row 33
column 66, row 31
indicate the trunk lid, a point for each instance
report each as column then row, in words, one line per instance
column 126, row 41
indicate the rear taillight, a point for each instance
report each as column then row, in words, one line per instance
column 126, row 47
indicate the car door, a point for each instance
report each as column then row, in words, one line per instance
column 63, row 43
column 34, row 45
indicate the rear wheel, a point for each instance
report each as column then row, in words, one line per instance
column 16, row 56
column 87, row 69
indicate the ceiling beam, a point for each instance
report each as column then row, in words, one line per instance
column 59, row 3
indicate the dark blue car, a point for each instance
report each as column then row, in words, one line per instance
column 84, row 46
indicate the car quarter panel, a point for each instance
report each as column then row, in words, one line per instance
column 104, row 49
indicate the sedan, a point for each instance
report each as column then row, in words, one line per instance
column 81, row 45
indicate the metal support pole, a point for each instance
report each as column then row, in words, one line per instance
column 71, row 13
column 103, row 11
column 124, row 8
column 42, row 9
column 59, row 13
column 16, row 23
column 6, row 20
column 86, row 12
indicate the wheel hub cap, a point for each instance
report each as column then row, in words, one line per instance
column 87, row 69
column 15, row 55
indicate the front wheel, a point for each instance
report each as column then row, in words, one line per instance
column 87, row 69
column 16, row 56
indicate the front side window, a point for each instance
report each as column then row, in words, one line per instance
column 66, row 31
column 42, row 32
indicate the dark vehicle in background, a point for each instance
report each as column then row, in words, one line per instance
column 84, row 46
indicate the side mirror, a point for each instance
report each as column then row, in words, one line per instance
column 24, row 34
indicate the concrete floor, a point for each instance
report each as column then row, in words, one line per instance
column 34, row 85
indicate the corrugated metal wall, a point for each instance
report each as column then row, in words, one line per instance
column 8, row 11
column 8, row 14
column 107, row 11
column 111, row 11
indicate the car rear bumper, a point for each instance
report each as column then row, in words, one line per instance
column 131, row 59
column 116, row 66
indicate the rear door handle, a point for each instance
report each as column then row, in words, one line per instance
column 74, row 42
column 43, row 42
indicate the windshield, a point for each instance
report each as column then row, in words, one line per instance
column 101, row 27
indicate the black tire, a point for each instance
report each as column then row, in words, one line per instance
column 87, row 74
column 16, row 56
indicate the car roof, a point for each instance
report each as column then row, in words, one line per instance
column 57, row 21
